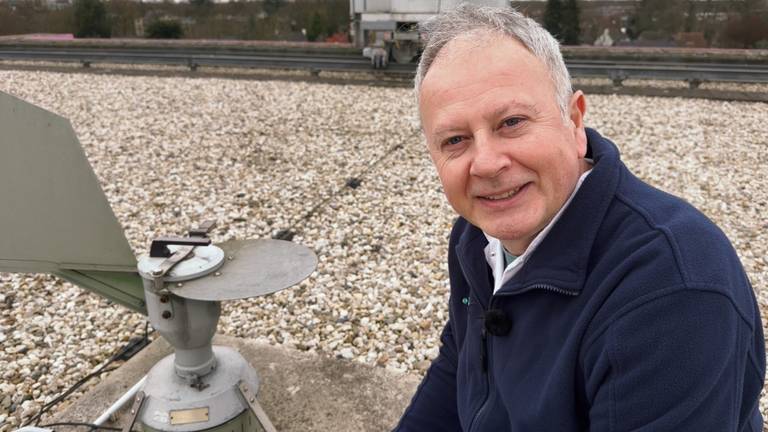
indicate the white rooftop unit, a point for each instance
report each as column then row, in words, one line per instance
column 415, row 6
column 388, row 27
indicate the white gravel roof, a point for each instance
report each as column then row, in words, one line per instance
column 258, row 156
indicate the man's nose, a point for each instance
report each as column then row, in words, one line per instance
column 489, row 159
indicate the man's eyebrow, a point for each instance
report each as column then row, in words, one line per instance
column 446, row 130
column 512, row 107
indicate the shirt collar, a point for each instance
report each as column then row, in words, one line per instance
column 494, row 251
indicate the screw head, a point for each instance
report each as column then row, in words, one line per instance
column 166, row 314
column 164, row 299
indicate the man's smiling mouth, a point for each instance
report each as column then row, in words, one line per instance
column 504, row 195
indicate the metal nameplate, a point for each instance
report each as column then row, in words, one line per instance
column 195, row 415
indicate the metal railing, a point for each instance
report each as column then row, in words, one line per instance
column 615, row 70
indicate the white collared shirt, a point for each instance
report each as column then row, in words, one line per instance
column 494, row 251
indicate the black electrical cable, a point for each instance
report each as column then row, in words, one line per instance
column 352, row 183
column 75, row 424
column 124, row 353
column 45, row 408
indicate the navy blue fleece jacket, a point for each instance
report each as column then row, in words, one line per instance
column 633, row 314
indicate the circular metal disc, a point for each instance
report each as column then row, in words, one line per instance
column 202, row 261
column 251, row 268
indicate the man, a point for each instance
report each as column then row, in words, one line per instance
column 581, row 298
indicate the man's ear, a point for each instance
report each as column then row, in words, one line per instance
column 576, row 111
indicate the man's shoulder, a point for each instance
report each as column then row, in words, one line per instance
column 703, row 253
column 671, row 243
column 655, row 226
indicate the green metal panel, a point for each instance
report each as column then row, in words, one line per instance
column 54, row 217
column 245, row 422
column 120, row 287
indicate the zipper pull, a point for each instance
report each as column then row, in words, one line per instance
column 484, row 349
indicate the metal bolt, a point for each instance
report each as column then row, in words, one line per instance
column 179, row 284
column 166, row 314
column 164, row 299
column 217, row 274
column 157, row 272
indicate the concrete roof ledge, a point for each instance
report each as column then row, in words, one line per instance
column 300, row 391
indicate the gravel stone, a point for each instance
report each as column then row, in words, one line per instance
column 269, row 157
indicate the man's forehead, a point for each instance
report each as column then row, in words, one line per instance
column 471, row 43
column 471, row 65
column 474, row 57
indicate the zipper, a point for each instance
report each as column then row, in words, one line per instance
column 485, row 343
column 487, row 372
column 546, row 287
column 484, row 349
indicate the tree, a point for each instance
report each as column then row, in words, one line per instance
column 747, row 31
column 271, row 6
column 201, row 3
column 553, row 17
column 317, row 25
column 659, row 19
column 165, row 29
column 690, row 16
column 123, row 15
column 570, row 28
column 91, row 20
column 708, row 13
column 251, row 29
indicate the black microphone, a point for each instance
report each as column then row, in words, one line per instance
column 497, row 323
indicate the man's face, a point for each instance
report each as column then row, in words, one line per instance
column 505, row 156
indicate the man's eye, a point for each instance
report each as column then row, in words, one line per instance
column 512, row 121
column 454, row 140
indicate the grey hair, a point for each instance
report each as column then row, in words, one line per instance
column 467, row 18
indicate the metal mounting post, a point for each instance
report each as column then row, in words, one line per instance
column 618, row 77
column 134, row 413
column 256, row 409
column 694, row 83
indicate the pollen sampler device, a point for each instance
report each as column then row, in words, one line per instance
column 55, row 218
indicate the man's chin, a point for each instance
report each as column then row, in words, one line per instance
column 504, row 234
column 512, row 238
